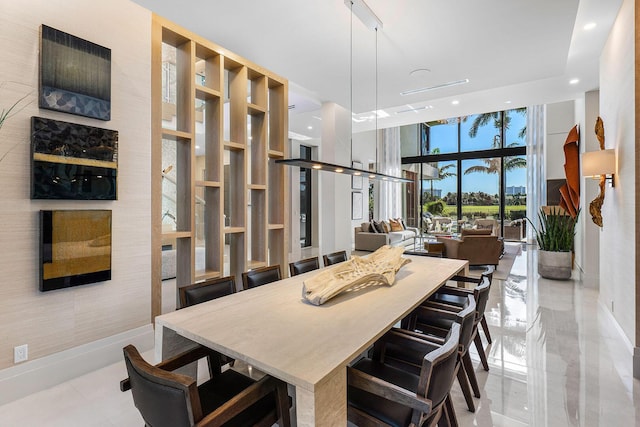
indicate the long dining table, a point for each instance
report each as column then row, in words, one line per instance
column 273, row 329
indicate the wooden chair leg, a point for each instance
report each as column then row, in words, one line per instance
column 471, row 374
column 466, row 391
column 483, row 357
column 485, row 328
column 448, row 407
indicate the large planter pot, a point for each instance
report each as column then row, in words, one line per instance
column 555, row 265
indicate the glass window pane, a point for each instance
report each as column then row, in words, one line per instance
column 169, row 86
column 409, row 141
column 515, row 127
column 515, row 197
column 480, row 132
column 443, row 136
column 440, row 198
column 480, row 189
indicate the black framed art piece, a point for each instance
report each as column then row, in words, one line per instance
column 75, row 248
column 73, row 161
column 356, row 205
column 75, row 75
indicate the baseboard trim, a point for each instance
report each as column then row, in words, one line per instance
column 616, row 325
column 39, row 374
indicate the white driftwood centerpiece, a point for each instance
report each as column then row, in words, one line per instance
column 379, row 268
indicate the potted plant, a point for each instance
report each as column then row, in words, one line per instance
column 555, row 238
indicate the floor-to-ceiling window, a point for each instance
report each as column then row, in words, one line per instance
column 466, row 169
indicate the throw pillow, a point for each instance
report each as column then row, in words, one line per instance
column 395, row 225
column 365, row 227
column 386, row 227
column 401, row 221
column 376, row 227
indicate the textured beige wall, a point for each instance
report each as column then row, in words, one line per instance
column 617, row 109
column 53, row 321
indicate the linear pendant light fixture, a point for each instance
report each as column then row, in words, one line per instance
column 360, row 9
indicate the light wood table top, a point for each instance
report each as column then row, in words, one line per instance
column 273, row 329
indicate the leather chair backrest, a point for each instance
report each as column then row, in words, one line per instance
column 160, row 400
column 334, row 258
column 440, row 368
column 303, row 266
column 481, row 294
column 466, row 318
column 207, row 290
column 261, row 276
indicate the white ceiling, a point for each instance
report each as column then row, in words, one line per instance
column 518, row 51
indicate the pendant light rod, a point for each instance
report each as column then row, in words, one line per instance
column 351, row 86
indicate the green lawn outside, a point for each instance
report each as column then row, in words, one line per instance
column 483, row 211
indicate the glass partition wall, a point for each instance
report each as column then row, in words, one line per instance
column 467, row 169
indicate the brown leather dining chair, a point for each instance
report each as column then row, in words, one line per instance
column 261, row 276
column 383, row 395
column 303, row 266
column 168, row 399
column 456, row 297
column 433, row 324
column 207, row 290
column 334, row 258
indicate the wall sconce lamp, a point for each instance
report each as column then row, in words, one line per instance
column 598, row 163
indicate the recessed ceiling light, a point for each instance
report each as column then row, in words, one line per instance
column 440, row 86
column 574, row 81
column 590, row 26
column 197, row 147
column 309, row 127
column 455, row 102
column 507, row 102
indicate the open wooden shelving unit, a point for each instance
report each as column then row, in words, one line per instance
column 219, row 122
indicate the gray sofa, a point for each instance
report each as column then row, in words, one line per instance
column 370, row 241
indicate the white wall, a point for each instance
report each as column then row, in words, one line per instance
column 55, row 321
column 334, row 189
column 588, row 236
column 560, row 119
column 617, row 109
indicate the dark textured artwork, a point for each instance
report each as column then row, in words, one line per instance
column 72, row 161
column 75, row 75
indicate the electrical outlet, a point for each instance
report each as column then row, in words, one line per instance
column 20, row 353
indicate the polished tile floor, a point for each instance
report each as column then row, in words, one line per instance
column 555, row 360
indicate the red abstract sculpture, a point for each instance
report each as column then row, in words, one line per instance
column 570, row 191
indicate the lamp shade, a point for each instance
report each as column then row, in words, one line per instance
column 596, row 163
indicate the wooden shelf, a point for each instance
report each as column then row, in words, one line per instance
column 233, row 230
column 177, row 234
column 256, row 109
column 215, row 184
column 251, row 264
column 237, row 143
column 206, row 93
column 234, row 145
column 175, row 134
column 206, row 275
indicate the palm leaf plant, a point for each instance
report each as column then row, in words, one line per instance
column 556, row 232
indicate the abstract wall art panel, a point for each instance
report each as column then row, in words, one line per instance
column 75, row 75
column 75, row 248
column 72, row 161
